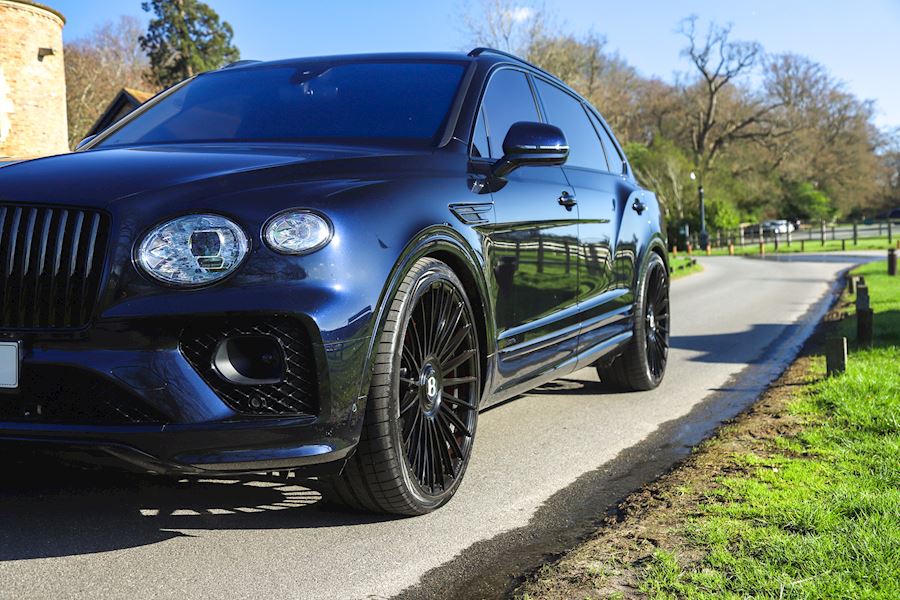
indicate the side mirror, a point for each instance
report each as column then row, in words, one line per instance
column 84, row 142
column 534, row 144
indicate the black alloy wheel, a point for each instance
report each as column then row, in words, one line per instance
column 657, row 320
column 642, row 364
column 423, row 401
column 438, row 387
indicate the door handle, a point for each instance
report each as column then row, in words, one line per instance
column 567, row 200
column 639, row 206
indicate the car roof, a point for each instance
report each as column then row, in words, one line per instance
column 351, row 58
column 480, row 54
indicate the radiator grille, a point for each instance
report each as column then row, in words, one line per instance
column 50, row 266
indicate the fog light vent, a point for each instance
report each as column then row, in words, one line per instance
column 260, row 366
column 250, row 360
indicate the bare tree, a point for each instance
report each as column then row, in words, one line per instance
column 97, row 67
column 722, row 112
column 503, row 24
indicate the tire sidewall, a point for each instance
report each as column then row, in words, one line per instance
column 654, row 261
column 423, row 274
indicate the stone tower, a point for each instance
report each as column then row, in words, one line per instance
column 32, row 80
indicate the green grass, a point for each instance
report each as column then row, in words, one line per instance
column 820, row 517
column 811, row 246
column 681, row 266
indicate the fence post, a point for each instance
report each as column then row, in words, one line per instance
column 890, row 233
column 775, row 235
column 843, row 244
column 789, row 236
column 741, row 235
column 802, row 245
column 892, row 261
column 862, row 295
column 822, row 230
column 540, row 255
column 833, row 236
column 855, row 235
column 568, row 257
column 864, row 327
column 836, row 356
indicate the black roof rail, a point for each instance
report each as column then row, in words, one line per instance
column 241, row 63
column 485, row 50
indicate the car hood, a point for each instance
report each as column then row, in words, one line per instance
column 98, row 178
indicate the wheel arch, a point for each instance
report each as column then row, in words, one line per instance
column 449, row 246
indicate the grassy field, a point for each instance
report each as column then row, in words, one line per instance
column 800, row 498
column 809, row 246
column 681, row 266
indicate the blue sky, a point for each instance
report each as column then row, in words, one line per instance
column 858, row 41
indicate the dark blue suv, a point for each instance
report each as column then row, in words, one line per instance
column 325, row 264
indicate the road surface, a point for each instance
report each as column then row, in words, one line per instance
column 544, row 468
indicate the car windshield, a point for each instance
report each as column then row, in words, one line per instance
column 365, row 101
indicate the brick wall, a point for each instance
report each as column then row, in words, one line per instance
column 32, row 88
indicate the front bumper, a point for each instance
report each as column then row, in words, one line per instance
column 127, row 391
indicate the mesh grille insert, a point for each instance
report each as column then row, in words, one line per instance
column 297, row 394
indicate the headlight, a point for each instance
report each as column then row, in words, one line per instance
column 297, row 232
column 193, row 250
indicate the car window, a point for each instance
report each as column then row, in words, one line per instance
column 480, row 146
column 566, row 112
column 508, row 99
column 304, row 101
column 616, row 164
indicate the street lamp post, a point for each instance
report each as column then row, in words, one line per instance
column 704, row 235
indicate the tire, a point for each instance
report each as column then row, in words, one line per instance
column 422, row 407
column 642, row 365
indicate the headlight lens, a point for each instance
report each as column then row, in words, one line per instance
column 193, row 250
column 297, row 232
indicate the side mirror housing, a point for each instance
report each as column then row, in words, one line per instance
column 534, row 144
column 84, row 142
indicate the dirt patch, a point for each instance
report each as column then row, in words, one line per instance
column 610, row 563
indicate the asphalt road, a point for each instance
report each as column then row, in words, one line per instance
column 544, row 467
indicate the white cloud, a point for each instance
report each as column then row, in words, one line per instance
column 520, row 14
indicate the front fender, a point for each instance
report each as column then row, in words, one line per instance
column 443, row 242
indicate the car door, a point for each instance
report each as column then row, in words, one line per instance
column 601, row 194
column 614, row 317
column 533, row 247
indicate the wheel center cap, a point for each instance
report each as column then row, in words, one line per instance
column 430, row 382
column 651, row 319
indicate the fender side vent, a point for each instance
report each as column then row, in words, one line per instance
column 472, row 214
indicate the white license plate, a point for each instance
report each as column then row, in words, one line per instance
column 9, row 365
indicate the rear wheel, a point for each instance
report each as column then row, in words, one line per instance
column 423, row 402
column 643, row 364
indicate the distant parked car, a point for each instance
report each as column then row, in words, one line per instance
column 779, row 226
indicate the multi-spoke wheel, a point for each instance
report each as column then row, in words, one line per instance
column 423, row 402
column 643, row 363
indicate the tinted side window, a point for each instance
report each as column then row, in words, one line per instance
column 616, row 164
column 566, row 112
column 507, row 100
column 480, row 145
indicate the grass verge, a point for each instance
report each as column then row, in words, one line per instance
column 797, row 498
column 811, row 246
column 682, row 266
